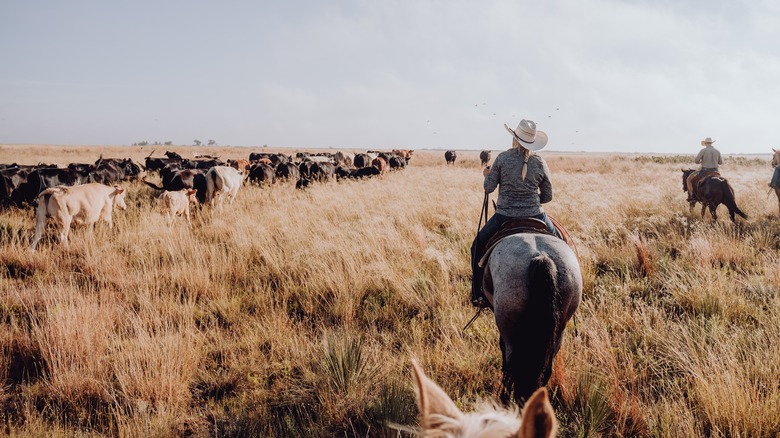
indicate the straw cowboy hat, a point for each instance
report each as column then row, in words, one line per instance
column 707, row 141
column 527, row 135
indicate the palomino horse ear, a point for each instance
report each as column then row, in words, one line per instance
column 538, row 417
column 432, row 400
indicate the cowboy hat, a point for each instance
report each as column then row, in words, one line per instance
column 527, row 135
column 707, row 141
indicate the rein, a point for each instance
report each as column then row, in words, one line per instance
column 474, row 318
column 482, row 214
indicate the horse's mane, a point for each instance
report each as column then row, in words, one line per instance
column 488, row 421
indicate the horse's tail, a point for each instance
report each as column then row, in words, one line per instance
column 534, row 338
column 730, row 202
column 545, row 299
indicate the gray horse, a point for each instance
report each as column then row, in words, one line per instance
column 534, row 283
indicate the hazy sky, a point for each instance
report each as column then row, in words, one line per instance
column 596, row 75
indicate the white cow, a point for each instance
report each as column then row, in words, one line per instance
column 84, row 204
column 176, row 203
column 222, row 181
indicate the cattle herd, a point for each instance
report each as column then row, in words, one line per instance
column 204, row 179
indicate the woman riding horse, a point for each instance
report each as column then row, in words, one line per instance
column 531, row 280
column 523, row 182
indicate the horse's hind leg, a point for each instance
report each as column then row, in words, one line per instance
column 507, row 383
column 777, row 193
column 714, row 215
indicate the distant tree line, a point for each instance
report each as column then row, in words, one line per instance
column 196, row 142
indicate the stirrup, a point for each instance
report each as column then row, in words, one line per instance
column 480, row 302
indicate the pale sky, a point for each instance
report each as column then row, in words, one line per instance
column 595, row 75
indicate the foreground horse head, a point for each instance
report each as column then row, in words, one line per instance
column 439, row 417
column 534, row 283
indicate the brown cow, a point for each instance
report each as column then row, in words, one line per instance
column 380, row 164
column 176, row 203
column 241, row 165
column 84, row 204
column 404, row 153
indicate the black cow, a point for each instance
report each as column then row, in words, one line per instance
column 484, row 157
column 362, row 160
column 450, row 156
column 323, row 171
column 257, row 156
column 397, row 163
column 41, row 179
column 107, row 173
column 128, row 169
column 363, row 172
column 82, row 167
column 288, row 171
column 305, row 168
column 173, row 155
column 184, row 179
column 10, row 180
column 367, row 172
column 261, row 173
column 204, row 164
column 276, row 159
column 156, row 164
column 343, row 172
column 303, row 183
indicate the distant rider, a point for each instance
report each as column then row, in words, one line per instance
column 709, row 158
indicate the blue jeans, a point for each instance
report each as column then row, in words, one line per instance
column 775, row 178
column 483, row 236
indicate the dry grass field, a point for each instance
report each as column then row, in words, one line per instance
column 295, row 313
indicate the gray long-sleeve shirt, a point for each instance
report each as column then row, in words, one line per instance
column 517, row 197
column 709, row 157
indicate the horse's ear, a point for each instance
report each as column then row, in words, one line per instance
column 432, row 400
column 538, row 417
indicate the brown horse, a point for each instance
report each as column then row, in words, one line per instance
column 775, row 163
column 711, row 192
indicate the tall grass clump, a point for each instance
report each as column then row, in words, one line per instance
column 344, row 363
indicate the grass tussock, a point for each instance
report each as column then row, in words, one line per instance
column 294, row 313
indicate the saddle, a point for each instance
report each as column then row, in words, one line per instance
column 525, row 225
column 700, row 178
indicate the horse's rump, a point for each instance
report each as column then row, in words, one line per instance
column 526, row 225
